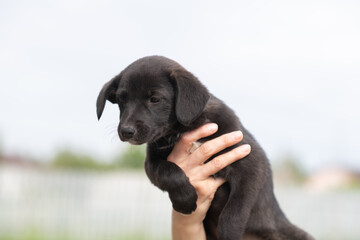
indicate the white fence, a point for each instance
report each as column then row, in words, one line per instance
column 124, row 205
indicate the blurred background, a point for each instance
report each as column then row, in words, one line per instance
column 289, row 69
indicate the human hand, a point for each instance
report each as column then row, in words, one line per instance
column 200, row 174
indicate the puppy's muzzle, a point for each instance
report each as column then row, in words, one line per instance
column 127, row 132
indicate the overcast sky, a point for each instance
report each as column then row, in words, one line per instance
column 290, row 70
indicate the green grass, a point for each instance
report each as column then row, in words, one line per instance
column 34, row 234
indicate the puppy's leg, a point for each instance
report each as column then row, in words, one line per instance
column 234, row 217
column 288, row 232
column 292, row 232
column 171, row 178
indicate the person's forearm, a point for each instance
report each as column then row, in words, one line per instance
column 186, row 228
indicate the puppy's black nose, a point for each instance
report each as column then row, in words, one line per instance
column 127, row 132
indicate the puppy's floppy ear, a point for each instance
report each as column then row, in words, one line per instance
column 191, row 96
column 108, row 92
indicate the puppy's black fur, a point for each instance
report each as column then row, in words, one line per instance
column 159, row 100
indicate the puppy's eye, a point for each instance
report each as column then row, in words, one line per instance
column 154, row 99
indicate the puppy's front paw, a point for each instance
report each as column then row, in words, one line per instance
column 184, row 208
column 184, row 199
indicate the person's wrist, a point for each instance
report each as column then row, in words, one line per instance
column 186, row 226
column 191, row 222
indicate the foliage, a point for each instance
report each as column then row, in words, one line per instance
column 31, row 233
column 352, row 185
column 37, row 234
column 68, row 159
column 1, row 149
column 290, row 170
column 132, row 158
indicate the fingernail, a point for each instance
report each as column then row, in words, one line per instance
column 246, row 148
column 237, row 135
column 213, row 127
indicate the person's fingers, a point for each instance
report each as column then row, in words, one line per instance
column 201, row 132
column 182, row 147
column 225, row 159
column 209, row 148
column 206, row 188
column 219, row 182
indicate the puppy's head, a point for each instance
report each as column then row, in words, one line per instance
column 154, row 94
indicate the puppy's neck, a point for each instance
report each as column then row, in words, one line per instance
column 166, row 142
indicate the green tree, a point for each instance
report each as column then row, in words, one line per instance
column 132, row 158
column 1, row 150
column 69, row 159
column 290, row 169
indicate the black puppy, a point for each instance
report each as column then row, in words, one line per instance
column 159, row 100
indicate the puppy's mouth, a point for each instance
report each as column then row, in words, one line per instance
column 142, row 134
column 133, row 140
column 140, row 137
